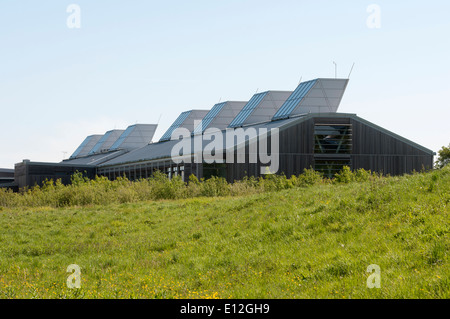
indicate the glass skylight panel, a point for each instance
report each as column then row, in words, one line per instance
column 122, row 137
column 80, row 148
column 209, row 117
column 183, row 116
column 247, row 110
column 296, row 97
column 100, row 143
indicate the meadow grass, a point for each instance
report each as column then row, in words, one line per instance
column 276, row 238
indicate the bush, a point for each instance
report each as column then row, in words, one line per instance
column 344, row 176
column 165, row 188
column 361, row 175
column 272, row 182
column 215, row 186
column 309, row 177
column 102, row 191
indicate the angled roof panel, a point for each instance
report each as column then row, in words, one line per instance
column 86, row 146
column 185, row 120
column 260, row 108
column 315, row 96
column 296, row 97
column 220, row 116
column 208, row 118
column 135, row 136
column 122, row 137
column 100, row 143
column 178, row 122
column 240, row 119
column 106, row 141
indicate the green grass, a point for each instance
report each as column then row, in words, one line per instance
column 298, row 242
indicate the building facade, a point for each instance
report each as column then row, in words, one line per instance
column 301, row 129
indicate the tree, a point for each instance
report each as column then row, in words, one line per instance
column 444, row 157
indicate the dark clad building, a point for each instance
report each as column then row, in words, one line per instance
column 309, row 132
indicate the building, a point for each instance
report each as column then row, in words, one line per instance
column 6, row 177
column 301, row 129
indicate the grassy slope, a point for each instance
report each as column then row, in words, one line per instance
column 312, row 242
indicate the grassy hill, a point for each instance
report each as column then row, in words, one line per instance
column 296, row 242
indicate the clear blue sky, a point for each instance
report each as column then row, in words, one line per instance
column 134, row 61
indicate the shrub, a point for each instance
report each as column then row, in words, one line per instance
column 193, row 188
column 164, row 188
column 215, row 186
column 102, row 191
column 7, row 197
column 272, row 182
column 361, row 175
column 344, row 176
column 309, row 177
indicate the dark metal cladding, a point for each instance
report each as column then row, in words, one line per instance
column 325, row 142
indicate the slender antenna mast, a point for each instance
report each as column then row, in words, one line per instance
column 300, row 80
column 159, row 119
column 351, row 70
column 335, row 69
column 257, row 90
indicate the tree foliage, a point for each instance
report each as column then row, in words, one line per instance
column 443, row 157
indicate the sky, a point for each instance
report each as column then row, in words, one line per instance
column 147, row 61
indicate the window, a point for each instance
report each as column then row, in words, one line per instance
column 122, row 137
column 208, row 118
column 332, row 148
column 332, row 139
column 100, row 143
column 247, row 110
column 81, row 147
column 294, row 100
column 179, row 121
